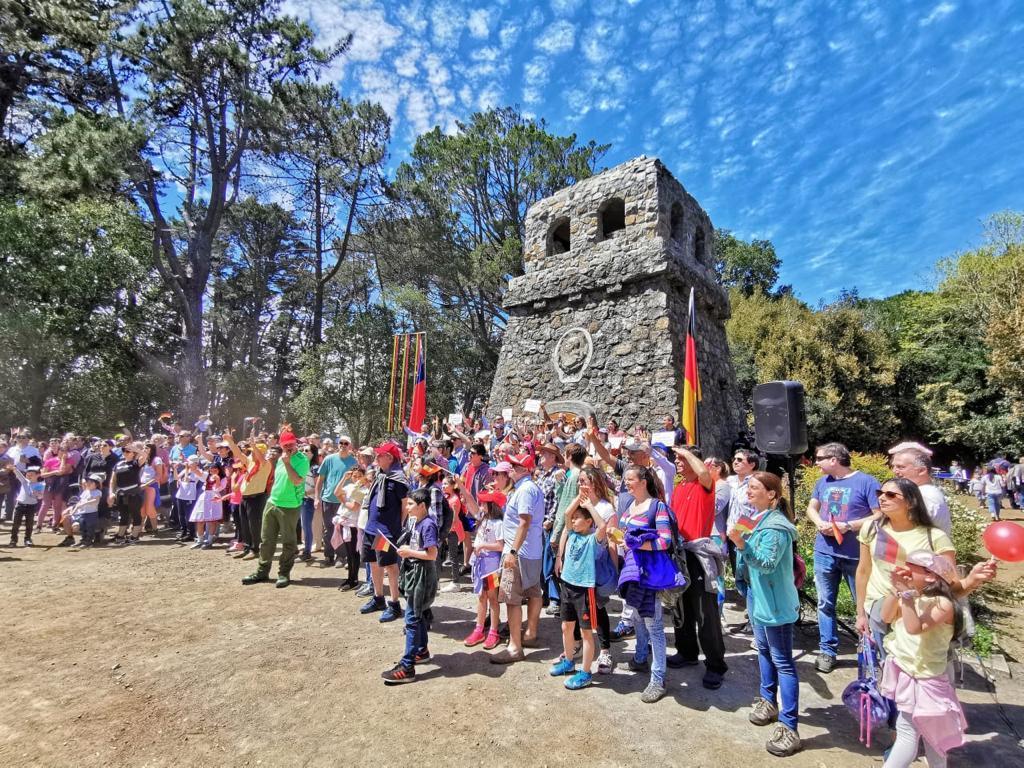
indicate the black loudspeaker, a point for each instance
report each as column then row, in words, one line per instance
column 780, row 422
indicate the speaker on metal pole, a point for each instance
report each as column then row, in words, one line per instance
column 780, row 422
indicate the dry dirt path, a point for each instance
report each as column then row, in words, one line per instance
column 157, row 656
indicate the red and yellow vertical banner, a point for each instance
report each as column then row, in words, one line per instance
column 691, row 379
column 399, row 388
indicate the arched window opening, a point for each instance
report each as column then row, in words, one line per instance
column 558, row 238
column 698, row 246
column 612, row 217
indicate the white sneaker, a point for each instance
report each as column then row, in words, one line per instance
column 604, row 663
column 197, row 545
column 451, row 587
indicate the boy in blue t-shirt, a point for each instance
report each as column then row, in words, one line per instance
column 579, row 597
column 418, row 581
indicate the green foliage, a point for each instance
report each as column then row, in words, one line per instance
column 746, row 266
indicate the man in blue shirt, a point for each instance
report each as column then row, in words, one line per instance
column 329, row 474
column 843, row 501
column 523, row 529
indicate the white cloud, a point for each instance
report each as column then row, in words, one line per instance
column 939, row 12
column 479, row 23
column 508, row 35
column 373, row 35
column 489, row 97
column 565, row 7
column 446, row 24
column 556, row 38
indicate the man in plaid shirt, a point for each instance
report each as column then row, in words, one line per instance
column 549, row 478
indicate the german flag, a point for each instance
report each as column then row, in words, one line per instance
column 492, row 580
column 747, row 523
column 691, row 379
column 381, row 543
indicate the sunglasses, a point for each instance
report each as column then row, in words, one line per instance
column 344, row 442
column 888, row 494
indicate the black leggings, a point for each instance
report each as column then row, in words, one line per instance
column 352, row 555
column 129, row 507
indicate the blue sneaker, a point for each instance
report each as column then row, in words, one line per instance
column 579, row 680
column 372, row 605
column 622, row 631
column 563, row 666
column 391, row 612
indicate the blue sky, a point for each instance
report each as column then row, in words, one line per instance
column 865, row 139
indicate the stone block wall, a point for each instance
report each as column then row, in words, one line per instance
column 601, row 313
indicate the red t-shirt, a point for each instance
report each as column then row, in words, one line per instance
column 694, row 507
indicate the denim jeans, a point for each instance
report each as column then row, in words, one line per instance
column 651, row 630
column 550, row 581
column 415, row 637
column 778, row 670
column 306, row 513
column 829, row 572
column 995, row 504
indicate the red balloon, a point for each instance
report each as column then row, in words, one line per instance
column 1005, row 540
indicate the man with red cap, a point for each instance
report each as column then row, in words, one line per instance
column 281, row 515
column 523, row 528
column 383, row 525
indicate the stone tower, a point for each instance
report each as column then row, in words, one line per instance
column 601, row 313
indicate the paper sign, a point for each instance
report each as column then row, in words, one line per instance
column 615, row 442
column 532, row 406
column 667, row 438
column 506, row 414
column 455, row 419
column 483, row 434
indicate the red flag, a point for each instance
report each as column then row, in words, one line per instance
column 887, row 549
column 381, row 543
column 837, row 533
column 691, row 380
column 419, row 389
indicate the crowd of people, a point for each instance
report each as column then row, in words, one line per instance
column 560, row 515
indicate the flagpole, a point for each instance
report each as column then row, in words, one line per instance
column 391, row 389
column 405, row 381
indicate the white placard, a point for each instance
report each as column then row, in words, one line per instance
column 615, row 442
column 506, row 414
column 483, row 434
column 666, row 438
column 455, row 419
column 531, row 406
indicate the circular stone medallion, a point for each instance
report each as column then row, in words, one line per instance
column 572, row 354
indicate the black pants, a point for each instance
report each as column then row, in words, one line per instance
column 26, row 512
column 352, row 553
column 129, row 507
column 328, row 509
column 252, row 516
column 695, row 618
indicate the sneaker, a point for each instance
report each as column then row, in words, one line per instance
column 187, row 538
column 373, row 605
column 250, row 555
column 553, row 608
column 28, row 543
column 604, row 663
column 638, row 666
column 579, row 680
column 119, row 541
column 79, row 545
column 67, row 541
column 712, row 680
column 131, row 540
column 563, row 666
column 207, row 545
column 13, row 544
column 677, row 661
column 493, row 640
column 825, row 663
column 784, row 742
column 399, row 674
column 763, row 712
column 197, row 545
column 447, row 563
column 451, row 587
column 422, row 657
column 392, row 612
column 304, row 556
column 622, row 631
column 366, row 590
column 475, row 637
column 652, row 692
column 282, row 582
column 255, row 578
column 348, row 586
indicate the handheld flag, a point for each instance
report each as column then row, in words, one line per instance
column 887, row 549
column 691, row 380
column 747, row 523
column 491, row 580
column 382, row 543
column 419, row 388
column 837, row 533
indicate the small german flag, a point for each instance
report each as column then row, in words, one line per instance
column 491, row 580
column 381, row 543
column 747, row 523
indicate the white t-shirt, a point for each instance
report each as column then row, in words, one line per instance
column 666, row 471
column 938, row 509
column 605, row 509
column 994, row 485
column 20, row 455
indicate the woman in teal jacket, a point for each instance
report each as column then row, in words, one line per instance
column 764, row 546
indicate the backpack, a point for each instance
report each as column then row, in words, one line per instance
column 862, row 696
column 606, row 575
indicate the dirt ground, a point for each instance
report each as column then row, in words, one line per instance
column 156, row 655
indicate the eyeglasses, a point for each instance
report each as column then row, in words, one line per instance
column 888, row 494
column 737, row 458
column 823, row 458
column 344, row 442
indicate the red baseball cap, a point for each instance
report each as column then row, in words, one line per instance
column 389, row 448
column 495, row 496
column 523, row 460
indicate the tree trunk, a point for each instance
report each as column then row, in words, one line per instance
column 193, row 380
column 318, row 263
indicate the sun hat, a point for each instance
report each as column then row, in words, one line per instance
column 938, row 565
column 502, row 466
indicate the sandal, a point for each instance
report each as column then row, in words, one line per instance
column 493, row 640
